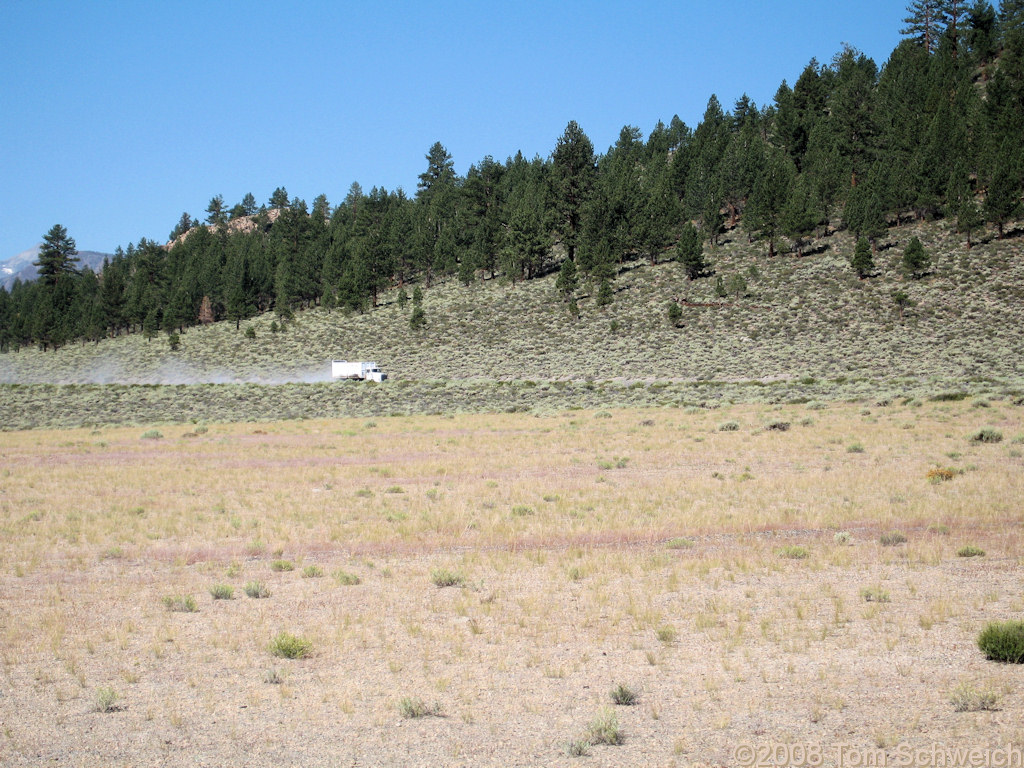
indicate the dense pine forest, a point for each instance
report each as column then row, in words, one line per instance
column 937, row 132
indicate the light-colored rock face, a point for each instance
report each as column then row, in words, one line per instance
column 241, row 224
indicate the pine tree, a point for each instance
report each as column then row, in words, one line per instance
column 862, row 262
column 567, row 281
column 924, row 23
column 916, row 260
column 572, row 178
column 690, row 252
column 57, row 256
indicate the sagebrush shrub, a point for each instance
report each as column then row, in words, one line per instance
column 1003, row 641
column 289, row 646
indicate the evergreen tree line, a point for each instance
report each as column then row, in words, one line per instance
column 937, row 132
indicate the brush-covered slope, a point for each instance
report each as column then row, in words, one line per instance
column 799, row 317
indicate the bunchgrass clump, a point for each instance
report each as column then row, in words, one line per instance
column 289, row 646
column 624, row 696
column 605, row 728
column 256, row 590
column 106, row 699
column 986, row 435
column 666, row 633
column 892, row 538
column 180, row 603
column 312, row 572
column 875, row 594
column 578, row 748
column 411, row 708
column 279, row 566
column 679, row 542
column 346, row 579
column 152, row 434
column 794, row 552
column 442, row 577
column 969, row 550
column 966, row 698
column 1003, row 641
column 222, row 592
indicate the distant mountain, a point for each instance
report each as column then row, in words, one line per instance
column 20, row 267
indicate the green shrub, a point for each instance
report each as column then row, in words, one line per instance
column 442, row 577
column 966, row 698
column 222, row 591
column 282, row 565
column 152, row 434
column 666, row 634
column 256, row 589
column 346, row 579
column 289, row 646
column 679, row 542
column 414, row 707
column 986, row 435
column 106, row 699
column 969, row 550
column 855, row 448
column 312, row 572
column 892, row 538
column 1003, row 641
column 605, row 729
column 624, row 696
column 181, row 603
column 794, row 552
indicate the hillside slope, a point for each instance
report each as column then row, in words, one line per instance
column 802, row 321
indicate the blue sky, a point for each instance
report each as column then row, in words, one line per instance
column 117, row 117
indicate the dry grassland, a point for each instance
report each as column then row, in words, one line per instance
column 733, row 578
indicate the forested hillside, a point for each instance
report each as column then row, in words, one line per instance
column 937, row 132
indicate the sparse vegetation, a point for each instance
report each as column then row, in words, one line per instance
column 969, row 550
column 222, row 592
column 966, row 698
column 987, row 435
column 256, row 590
column 289, row 646
column 346, row 578
column 624, row 696
column 605, row 728
column 875, row 594
column 442, row 577
column 794, row 552
column 106, row 699
column 180, row 603
column 411, row 708
column 892, row 538
column 1003, row 641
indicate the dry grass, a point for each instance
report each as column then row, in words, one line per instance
column 724, row 637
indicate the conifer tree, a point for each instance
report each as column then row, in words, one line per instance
column 862, row 262
column 916, row 260
column 57, row 256
column 690, row 252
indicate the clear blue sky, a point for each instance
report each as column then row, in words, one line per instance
column 115, row 117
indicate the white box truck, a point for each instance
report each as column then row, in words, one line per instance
column 363, row 371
